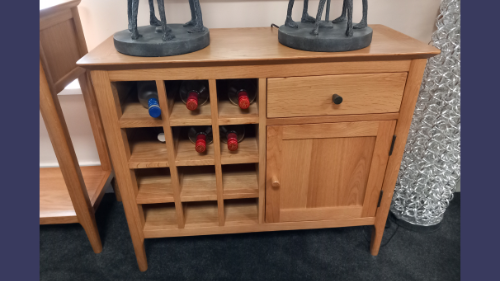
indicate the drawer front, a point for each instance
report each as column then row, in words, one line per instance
column 312, row 96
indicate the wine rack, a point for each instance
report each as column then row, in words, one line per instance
column 178, row 188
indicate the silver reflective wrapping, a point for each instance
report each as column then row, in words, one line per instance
column 431, row 163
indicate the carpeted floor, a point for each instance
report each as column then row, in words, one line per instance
column 325, row 254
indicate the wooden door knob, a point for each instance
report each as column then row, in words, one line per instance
column 275, row 183
column 337, row 99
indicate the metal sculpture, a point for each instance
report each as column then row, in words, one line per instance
column 160, row 39
column 325, row 36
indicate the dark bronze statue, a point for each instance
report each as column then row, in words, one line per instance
column 305, row 16
column 314, row 34
column 196, row 17
column 133, row 8
column 346, row 12
column 362, row 24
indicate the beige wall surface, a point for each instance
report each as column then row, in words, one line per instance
column 102, row 18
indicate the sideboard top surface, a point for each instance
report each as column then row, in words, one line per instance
column 257, row 45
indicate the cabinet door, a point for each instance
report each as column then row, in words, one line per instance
column 326, row 171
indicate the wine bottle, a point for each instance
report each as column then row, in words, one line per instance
column 200, row 136
column 194, row 93
column 232, row 135
column 242, row 92
column 148, row 97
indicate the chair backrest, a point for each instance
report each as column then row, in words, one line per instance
column 62, row 44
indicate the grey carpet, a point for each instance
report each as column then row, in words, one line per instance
column 325, row 254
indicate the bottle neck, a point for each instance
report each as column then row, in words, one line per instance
column 192, row 100
column 154, row 108
column 201, row 142
column 243, row 99
column 232, row 141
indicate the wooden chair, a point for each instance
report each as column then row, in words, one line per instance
column 70, row 193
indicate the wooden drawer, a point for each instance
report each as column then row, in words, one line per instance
column 312, row 96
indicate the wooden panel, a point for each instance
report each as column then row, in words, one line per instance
column 240, row 181
column 331, row 130
column 377, row 167
column 241, row 212
column 181, row 116
column 402, row 128
column 259, row 69
column 146, row 150
column 273, row 171
column 60, row 49
column 247, row 152
column 337, row 172
column 188, row 156
column 324, row 213
column 135, row 116
column 332, row 119
column 170, row 144
column 242, row 228
column 312, row 96
column 261, row 44
column 55, row 204
column 201, row 214
column 230, row 114
column 155, row 186
column 160, row 217
column 197, row 183
column 110, row 112
column 55, row 18
column 262, row 103
column 214, row 103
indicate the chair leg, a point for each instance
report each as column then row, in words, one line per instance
column 93, row 235
column 116, row 189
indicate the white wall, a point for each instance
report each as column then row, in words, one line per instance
column 102, row 18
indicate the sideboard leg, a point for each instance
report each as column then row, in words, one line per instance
column 140, row 254
column 377, row 234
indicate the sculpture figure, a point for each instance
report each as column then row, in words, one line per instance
column 133, row 8
column 362, row 24
column 152, row 18
column 196, row 17
column 305, row 16
column 346, row 12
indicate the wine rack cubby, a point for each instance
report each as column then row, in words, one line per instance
column 178, row 188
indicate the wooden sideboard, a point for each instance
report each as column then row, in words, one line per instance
column 306, row 163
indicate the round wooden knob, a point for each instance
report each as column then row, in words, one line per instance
column 274, row 182
column 337, row 99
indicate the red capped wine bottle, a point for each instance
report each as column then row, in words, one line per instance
column 194, row 93
column 200, row 136
column 242, row 92
column 148, row 97
column 232, row 135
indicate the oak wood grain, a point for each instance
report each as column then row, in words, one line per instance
column 402, row 128
column 261, row 44
column 312, row 95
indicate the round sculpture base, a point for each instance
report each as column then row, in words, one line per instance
column 329, row 39
column 150, row 44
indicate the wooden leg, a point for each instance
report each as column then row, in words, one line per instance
column 140, row 254
column 93, row 235
column 377, row 234
column 116, row 189
column 63, row 148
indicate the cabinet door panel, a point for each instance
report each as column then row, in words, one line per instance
column 326, row 171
